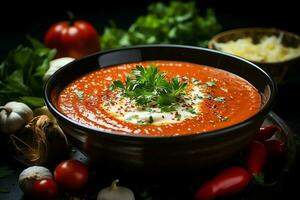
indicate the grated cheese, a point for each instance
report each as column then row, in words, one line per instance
column 270, row 49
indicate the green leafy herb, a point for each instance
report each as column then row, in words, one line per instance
column 141, row 122
column 196, row 81
column 224, row 119
column 211, row 83
column 219, row 99
column 22, row 71
column 177, row 116
column 79, row 95
column 4, row 190
column 116, row 84
column 191, row 110
column 176, row 23
column 149, row 86
column 208, row 96
column 5, row 171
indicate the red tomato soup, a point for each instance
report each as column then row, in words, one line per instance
column 177, row 98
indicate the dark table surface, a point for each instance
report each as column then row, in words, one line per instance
column 17, row 22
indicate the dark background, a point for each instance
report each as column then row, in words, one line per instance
column 18, row 19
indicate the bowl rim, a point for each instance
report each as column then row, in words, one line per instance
column 230, row 129
column 215, row 38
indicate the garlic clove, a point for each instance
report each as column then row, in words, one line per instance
column 30, row 175
column 115, row 192
column 55, row 65
column 14, row 116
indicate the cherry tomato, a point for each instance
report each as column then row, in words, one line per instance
column 71, row 175
column 73, row 39
column 256, row 157
column 267, row 132
column 44, row 189
column 229, row 181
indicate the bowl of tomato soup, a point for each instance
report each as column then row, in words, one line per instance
column 160, row 107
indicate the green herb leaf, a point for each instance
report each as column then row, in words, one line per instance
column 5, row 171
column 79, row 95
column 224, row 119
column 177, row 116
column 219, row 99
column 4, row 190
column 116, row 84
column 32, row 101
column 149, row 86
column 191, row 110
column 22, row 71
column 211, row 83
column 176, row 23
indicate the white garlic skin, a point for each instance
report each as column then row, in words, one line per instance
column 55, row 65
column 115, row 192
column 14, row 116
column 30, row 175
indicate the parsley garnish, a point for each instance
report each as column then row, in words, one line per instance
column 191, row 110
column 219, row 99
column 224, row 119
column 141, row 122
column 149, row 86
column 79, row 95
column 177, row 116
column 211, row 83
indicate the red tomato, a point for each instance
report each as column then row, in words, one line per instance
column 71, row 175
column 229, row 181
column 44, row 189
column 75, row 39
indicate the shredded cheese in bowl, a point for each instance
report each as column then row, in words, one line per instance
column 269, row 49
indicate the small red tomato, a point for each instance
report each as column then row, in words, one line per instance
column 44, row 189
column 227, row 182
column 71, row 175
column 72, row 39
column 256, row 157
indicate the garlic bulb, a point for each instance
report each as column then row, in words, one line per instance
column 41, row 141
column 115, row 192
column 14, row 116
column 55, row 65
column 30, row 175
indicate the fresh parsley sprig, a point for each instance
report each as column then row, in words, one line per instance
column 149, row 87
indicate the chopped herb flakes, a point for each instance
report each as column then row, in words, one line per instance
column 177, row 116
column 211, row 83
column 142, row 122
column 79, row 95
column 224, row 119
column 219, row 99
column 191, row 110
column 149, row 86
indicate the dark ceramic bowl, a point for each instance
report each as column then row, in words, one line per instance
column 281, row 72
column 177, row 153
